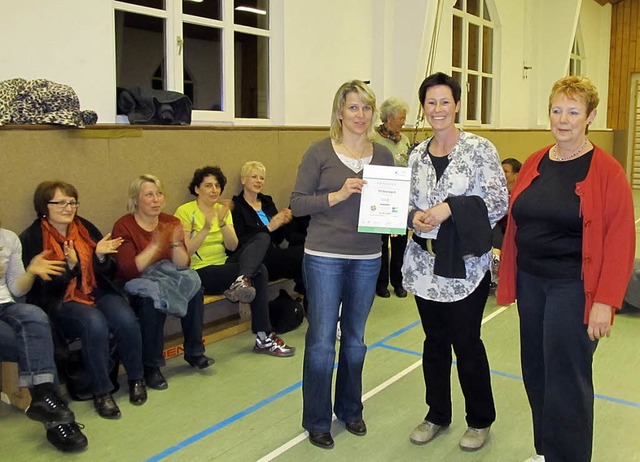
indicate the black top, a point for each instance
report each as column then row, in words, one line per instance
column 549, row 225
column 440, row 164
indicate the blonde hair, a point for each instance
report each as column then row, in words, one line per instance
column 366, row 96
column 252, row 164
column 136, row 186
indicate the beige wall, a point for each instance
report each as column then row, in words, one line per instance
column 102, row 161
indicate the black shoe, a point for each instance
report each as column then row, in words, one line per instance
column 201, row 362
column 106, row 406
column 400, row 292
column 322, row 440
column 67, row 437
column 154, row 378
column 357, row 428
column 51, row 408
column 383, row 292
column 137, row 392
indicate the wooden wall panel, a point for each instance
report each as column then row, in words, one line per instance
column 624, row 60
column 102, row 161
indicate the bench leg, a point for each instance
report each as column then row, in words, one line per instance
column 11, row 393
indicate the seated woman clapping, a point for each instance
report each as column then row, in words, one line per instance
column 253, row 213
column 209, row 227
column 149, row 236
column 83, row 302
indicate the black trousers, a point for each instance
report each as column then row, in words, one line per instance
column 557, row 358
column 246, row 261
column 391, row 269
column 457, row 325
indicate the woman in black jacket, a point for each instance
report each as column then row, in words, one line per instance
column 83, row 302
column 254, row 213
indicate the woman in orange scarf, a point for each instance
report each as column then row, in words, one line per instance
column 83, row 302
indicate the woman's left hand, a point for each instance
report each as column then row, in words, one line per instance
column 223, row 211
column 70, row 254
column 107, row 245
column 599, row 321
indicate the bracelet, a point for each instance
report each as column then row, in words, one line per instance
column 101, row 259
column 175, row 244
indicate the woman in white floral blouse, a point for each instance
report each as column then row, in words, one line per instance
column 458, row 193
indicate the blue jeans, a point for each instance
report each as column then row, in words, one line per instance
column 152, row 326
column 25, row 337
column 93, row 324
column 330, row 281
column 557, row 356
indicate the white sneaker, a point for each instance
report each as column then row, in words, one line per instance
column 425, row 432
column 536, row 458
column 474, row 438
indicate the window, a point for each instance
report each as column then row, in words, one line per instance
column 472, row 60
column 577, row 59
column 214, row 51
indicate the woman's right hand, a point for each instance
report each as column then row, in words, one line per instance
column 43, row 268
column 427, row 220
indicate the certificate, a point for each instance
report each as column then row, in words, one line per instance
column 384, row 204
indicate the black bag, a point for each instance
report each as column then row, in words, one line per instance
column 286, row 314
column 71, row 370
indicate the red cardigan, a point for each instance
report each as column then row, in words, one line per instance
column 609, row 233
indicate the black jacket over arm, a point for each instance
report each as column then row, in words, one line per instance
column 466, row 232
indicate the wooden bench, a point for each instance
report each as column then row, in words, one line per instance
column 11, row 393
column 217, row 328
column 222, row 319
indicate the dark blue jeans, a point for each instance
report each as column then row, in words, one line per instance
column 457, row 325
column 152, row 328
column 329, row 282
column 557, row 356
column 25, row 337
column 93, row 324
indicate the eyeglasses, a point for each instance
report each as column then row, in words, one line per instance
column 63, row 204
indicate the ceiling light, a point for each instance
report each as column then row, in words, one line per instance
column 248, row 9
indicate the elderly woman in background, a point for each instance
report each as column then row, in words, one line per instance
column 253, row 213
column 209, row 227
column 393, row 113
column 567, row 257
column 458, row 193
column 83, row 302
column 340, row 265
column 148, row 235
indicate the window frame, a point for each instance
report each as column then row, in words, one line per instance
column 466, row 74
column 174, row 19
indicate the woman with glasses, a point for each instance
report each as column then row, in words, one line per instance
column 83, row 302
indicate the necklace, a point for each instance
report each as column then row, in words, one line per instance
column 554, row 151
column 358, row 159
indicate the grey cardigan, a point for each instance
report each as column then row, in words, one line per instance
column 332, row 229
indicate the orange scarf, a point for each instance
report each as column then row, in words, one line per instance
column 84, row 246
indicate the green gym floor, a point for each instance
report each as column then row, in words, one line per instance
column 247, row 407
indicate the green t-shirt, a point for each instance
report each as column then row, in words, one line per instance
column 212, row 251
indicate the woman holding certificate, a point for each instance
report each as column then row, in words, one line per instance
column 340, row 265
column 458, row 193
